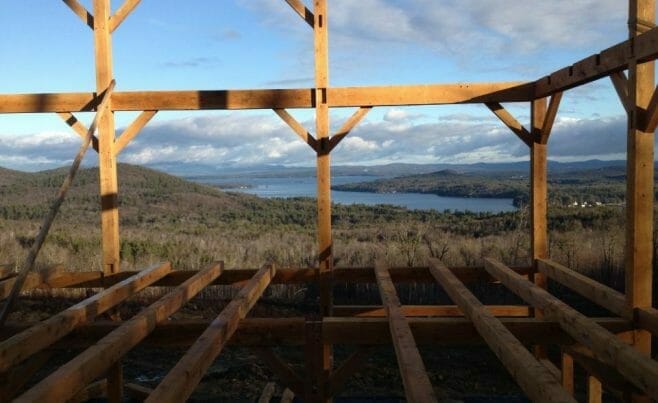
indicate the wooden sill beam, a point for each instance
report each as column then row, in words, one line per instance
column 539, row 384
column 417, row 385
column 72, row 377
column 642, row 48
column 269, row 332
column 375, row 311
column 633, row 365
column 21, row 346
column 181, row 381
column 350, row 275
column 53, row 275
column 338, row 97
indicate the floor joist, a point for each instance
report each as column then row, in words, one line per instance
column 417, row 385
column 533, row 377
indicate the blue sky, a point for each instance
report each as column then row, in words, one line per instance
column 203, row 44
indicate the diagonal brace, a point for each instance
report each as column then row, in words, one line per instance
column 132, row 131
column 298, row 128
column 620, row 82
column 124, row 11
column 281, row 369
column 509, row 121
column 78, row 127
column 650, row 120
column 303, row 12
column 81, row 12
column 348, row 126
column 549, row 119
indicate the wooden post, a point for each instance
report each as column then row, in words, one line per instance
column 640, row 178
column 323, row 158
column 106, row 135
column 538, row 200
column 325, row 242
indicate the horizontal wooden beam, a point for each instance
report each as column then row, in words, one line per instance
column 536, row 380
column 53, row 275
column 375, row 311
column 637, row 368
column 72, row 377
column 642, row 48
column 37, row 338
column 283, row 276
column 336, row 330
column 338, row 97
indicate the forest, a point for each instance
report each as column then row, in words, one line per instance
column 167, row 218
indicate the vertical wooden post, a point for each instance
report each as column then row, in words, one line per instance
column 594, row 390
column 567, row 371
column 640, row 180
column 106, row 134
column 107, row 166
column 538, row 199
column 325, row 242
column 323, row 158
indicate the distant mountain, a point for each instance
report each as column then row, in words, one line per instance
column 194, row 170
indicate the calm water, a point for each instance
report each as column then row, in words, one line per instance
column 306, row 187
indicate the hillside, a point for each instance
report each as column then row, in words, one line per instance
column 601, row 185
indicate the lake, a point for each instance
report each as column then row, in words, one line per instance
column 305, row 186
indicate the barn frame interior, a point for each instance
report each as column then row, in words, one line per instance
column 615, row 351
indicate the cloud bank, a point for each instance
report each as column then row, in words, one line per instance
column 243, row 140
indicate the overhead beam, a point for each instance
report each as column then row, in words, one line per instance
column 79, row 128
column 23, row 345
column 181, row 381
column 636, row 367
column 302, row 11
column 122, row 13
column 79, row 10
column 302, row 98
column 641, row 49
column 509, row 121
column 539, row 384
column 73, row 376
column 132, row 130
column 417, row 386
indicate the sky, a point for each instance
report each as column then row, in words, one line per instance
column 242, row 44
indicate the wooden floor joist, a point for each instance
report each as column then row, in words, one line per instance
column 608, row 298
column 72, row 377
column 36, row 338
column 642, row 371
column 417, row 386
column 533, row 377
column 181, row 381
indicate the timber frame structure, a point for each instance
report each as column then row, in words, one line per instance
column 614, row 351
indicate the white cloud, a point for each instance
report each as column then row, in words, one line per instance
column 235, row 138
